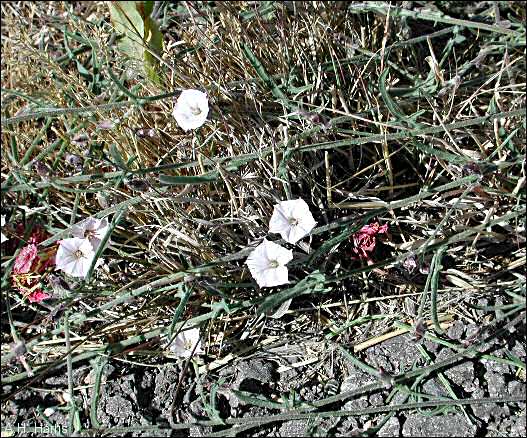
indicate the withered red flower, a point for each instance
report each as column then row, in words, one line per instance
column 26, row 258
column 37, row 296
column 365, row 239
column 30, row 267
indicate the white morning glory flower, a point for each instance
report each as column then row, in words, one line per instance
column 184, row 344
column 3, row 236
column 74, row 256
column 292, row 220
column 267, row 264
column 92, row 229
column 191, row 109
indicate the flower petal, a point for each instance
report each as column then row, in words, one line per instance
column 95, row 242
column 25, row 258
column 188, row 102
column 259, row 263
column 3, row 236
column 95, row 228
column 275, row 277
column 192, row 335
column 290, row 207
column 277, row 252
column 86, row 248
column 178, row 347
column 186, row 342
column 70, row 245
column 284, row 256
column 78, row 230
column 67, row 261
column 279, row 221
column 38, row 296
column 80, row 268
column 299, row 231
column 63, row 259
column 257, row 260
column 260, row 278
column 292, row 219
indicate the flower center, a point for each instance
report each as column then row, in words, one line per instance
column 273, row 264
column 293, row 221
column 78, row 254
column 88, row 234
column 195, row 110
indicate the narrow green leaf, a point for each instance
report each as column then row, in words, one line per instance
column 117, row 158
column 185, row 293
column 212, row 409
column 435, row 17
column 359, row 364
column 447, row 156
column 14, row 150
column 313, row 283
column 175, row 180
column 98, row 365
column 256, row 400
column 262, row 73
column 393, row 107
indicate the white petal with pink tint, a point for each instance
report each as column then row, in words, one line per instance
column 74, row 256
column 187, row 343
column 92, row 229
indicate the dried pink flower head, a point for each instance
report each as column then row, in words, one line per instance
column 81, row 139
column 365, row 239
column 107, row 124
column 410, row 264
column 38, row 296
column 146, row 132
column 25, row 259
column 74, row 160
column 41, row 168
